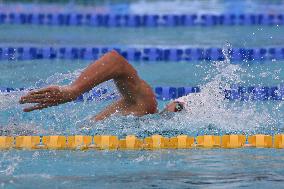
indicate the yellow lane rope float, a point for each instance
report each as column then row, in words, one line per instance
column 131, row 142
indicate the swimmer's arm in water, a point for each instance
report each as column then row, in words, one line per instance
column 137, row 96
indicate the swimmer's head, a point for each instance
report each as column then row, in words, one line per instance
column 174, row 107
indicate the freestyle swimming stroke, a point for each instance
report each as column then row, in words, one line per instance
column 137, row 97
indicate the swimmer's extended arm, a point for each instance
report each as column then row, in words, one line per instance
column 110, row 66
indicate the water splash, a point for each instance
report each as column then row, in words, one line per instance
column 206, row 113
column 58, row 79
column 209, row 108
column 8, row 163
column 10, row 100
column 52, row 120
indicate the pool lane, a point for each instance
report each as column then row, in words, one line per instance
column 238, row 36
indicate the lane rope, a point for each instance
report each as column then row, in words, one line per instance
column 242, row 93
column 136, row 20
column 142, row 54
column 131, row 142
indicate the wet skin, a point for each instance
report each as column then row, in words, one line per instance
column 137, row 97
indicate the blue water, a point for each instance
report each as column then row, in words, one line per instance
column 249, row 168
column 211, row 114
column 238, row 36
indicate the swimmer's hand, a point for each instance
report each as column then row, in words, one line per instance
column 49, row 96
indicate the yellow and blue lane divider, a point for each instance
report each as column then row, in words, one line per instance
column 131, row 142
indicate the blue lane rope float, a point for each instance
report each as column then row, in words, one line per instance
column 131, row 142
column 251, row 93
column 135, row 20
column 255, row 93
column 142, row 54
column 162, row 93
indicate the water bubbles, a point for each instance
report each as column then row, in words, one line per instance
column 264, row 74
column 8, row 163
column 208, row 110
column 35, row 155
column 226, row 50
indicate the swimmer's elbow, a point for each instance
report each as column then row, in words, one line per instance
column 121, row 65
column 118, row 57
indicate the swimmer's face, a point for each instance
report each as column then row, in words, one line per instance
column 174, row 107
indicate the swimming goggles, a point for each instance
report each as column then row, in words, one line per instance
column 179, row 107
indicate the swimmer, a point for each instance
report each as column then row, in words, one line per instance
column 137, row 97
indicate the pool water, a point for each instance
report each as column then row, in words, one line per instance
column 211, row 114
column 235, row 168
column 216, row 36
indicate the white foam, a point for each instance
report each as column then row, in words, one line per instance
column 210, row 108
